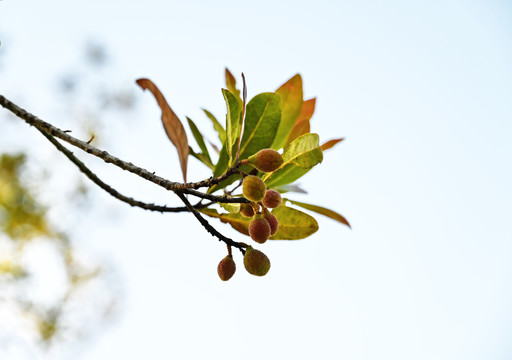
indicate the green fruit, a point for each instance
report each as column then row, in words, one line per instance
column 266, row 160
column 246, row 210
column 259, row 229
column 226, row 268
column 272, row 199
column 272, row 221
column 256, row 262
column 254, row 188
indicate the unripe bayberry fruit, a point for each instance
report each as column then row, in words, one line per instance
column 256, row 262
column 246, row 210
column 272, row 199
column 272, row 221
column 226, row 268
column 266, row 160
column 254, row 188
column 259, row 229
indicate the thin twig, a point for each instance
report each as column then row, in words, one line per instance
column 207, row 225
column 216, row 198
column 213, row 181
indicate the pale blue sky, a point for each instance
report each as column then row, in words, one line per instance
column 420, row 90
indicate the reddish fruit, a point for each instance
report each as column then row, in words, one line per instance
column 226, row 268
column 266, row 160
column 259, row 229
column 256, row 262
column 272, row 199
column 246, row 210
column 253, row 188
column 272, row 221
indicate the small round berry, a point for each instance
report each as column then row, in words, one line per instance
column 256, row 262
column 266, row 160
column 272, row 199
column 226, row 268
column 272, row 221
column 253, row 188
column 246, row 210
column 259, row 229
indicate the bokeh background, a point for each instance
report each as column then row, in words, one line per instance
column 420, row 90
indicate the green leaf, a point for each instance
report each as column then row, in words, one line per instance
column 291, row 103
column 261, row 122
column 199, row 138
column 233, row 122
column 302, row 154
column 220, row 168
column 290, row 188
column 231, row 208
column 217, row 126
column 202, row 157
column 321, row 210
column 222, row 163
column 293, row 224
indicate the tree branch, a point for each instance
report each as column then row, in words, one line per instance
column 180, row 189
column 49, row 129
column 213, row 181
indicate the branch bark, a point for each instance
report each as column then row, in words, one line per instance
column 180, row 189
column 49, row 129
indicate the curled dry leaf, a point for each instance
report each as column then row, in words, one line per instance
column 172, row 124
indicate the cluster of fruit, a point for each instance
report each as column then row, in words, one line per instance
column 263, row 224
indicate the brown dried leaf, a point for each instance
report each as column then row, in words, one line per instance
column 329, row 144
column 172, row 124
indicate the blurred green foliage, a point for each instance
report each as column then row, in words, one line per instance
column 21, row 216
column 34, row 251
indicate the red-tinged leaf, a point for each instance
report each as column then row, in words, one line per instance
column 321, row 210
column 302, row 125
column 231, row 83
column 291, row 103
column 172, row 124
column 307, row 110
column 300, row 128
column 329, row 144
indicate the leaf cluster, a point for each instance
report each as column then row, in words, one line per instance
column 279, row 120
